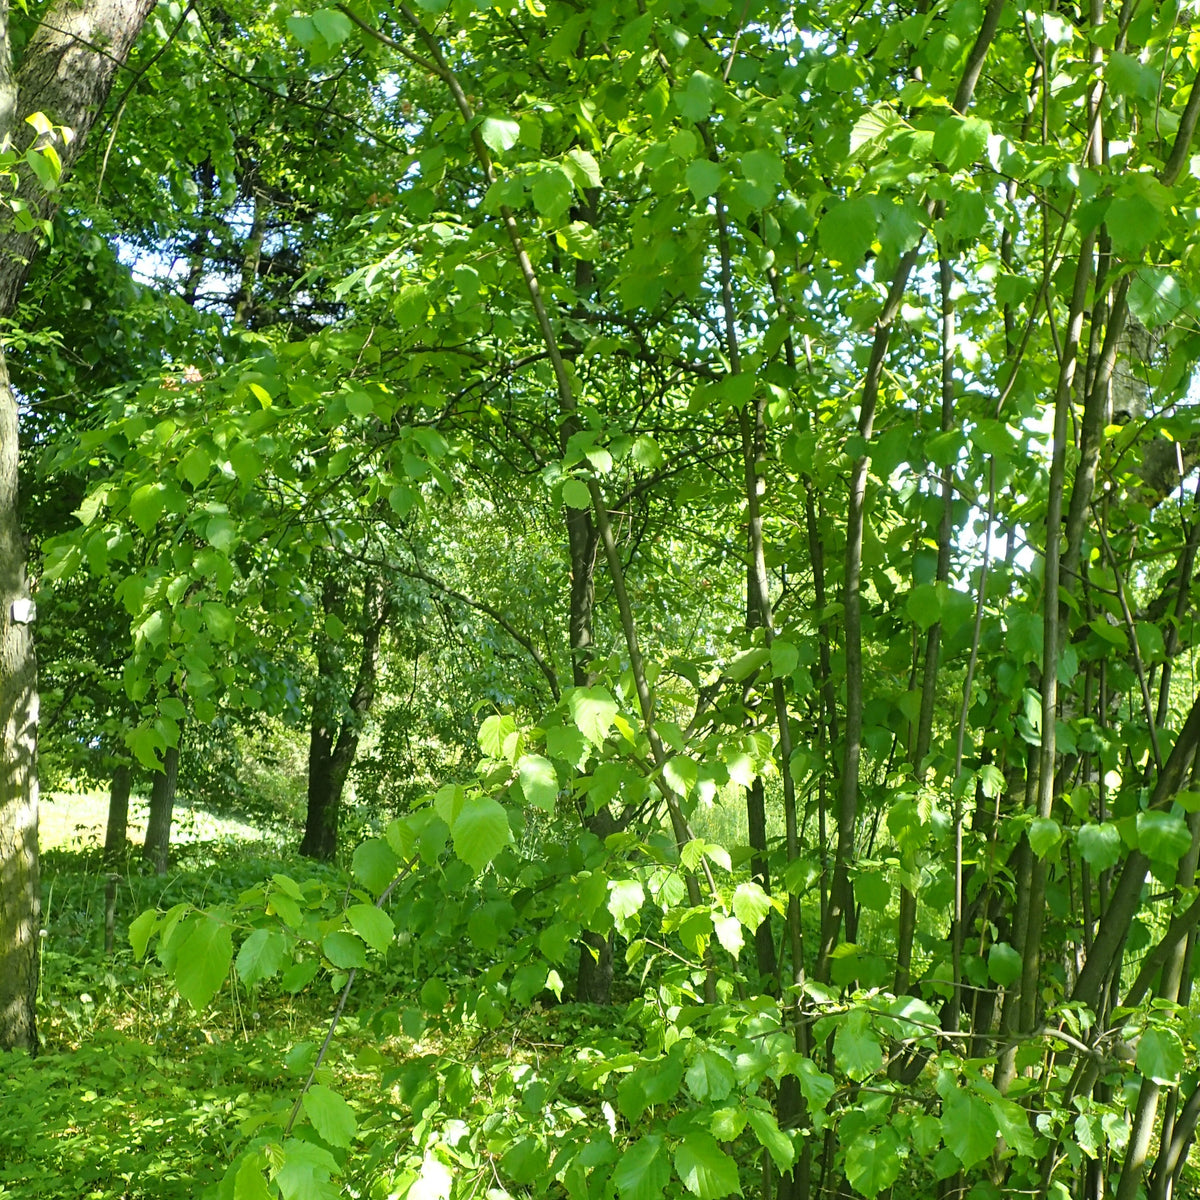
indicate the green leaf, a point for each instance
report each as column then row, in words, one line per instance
column 261, row 956
column 333, row 26
column 140, row 930
column 784, row 657
column 1004, row 964
column 681, row 774
column 777, row 1143
column 1160, row 1055
column 582, row 167
column 625, row 899
column 575, row 493
column 305, row 1172
column 873, row 1161
column 959, row 141
column 706, row 1170
column 330, row 1115
column 249, row 1183
column 1163, row 837
column 710, row 1077
column 203, row 962
column 539, row 781
column 968, row 1127
column 480, row 831
column 593, row 710
column 374, row 864
column 1044, row 834
column 195, row 466
column 552, row 192
column 847, row 230
column 344, row 950
column 494, row 732
column 703, row 178
column 644, row 1170
column 856, row 1048
column 499, row 133
column 373, row 925
column 146, row 505
column 729, row 934
column 750, row 905
column 1099, row 845
column 1155, row 297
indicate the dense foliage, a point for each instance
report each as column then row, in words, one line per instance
column 713, row 488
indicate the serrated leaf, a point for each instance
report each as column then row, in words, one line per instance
column 625, row 899
column 1044, row 834
column 750, row 905
column 1004, row 964
column 968, row 1127
column 261, row 955
column 539, row 781
column 644, row 1170
column 703, row 178
column 344, row 950
column 681, row 774
column 847, row 230
column 710, row 1077
column 960, row 141
column 480, row 831
column 593, row 710
column 373, row 925
column 146, row 505
column 873, row 1161
column 1099, row 845
column 374, row 864
column 583, row 167
column 729, row 934
column 1163, row 837
column 552, row 192
column 856, row 1048
column 330, row 1115
column 1160, row 1055
column 203, row 962
column 575, row 494
column 777, row 1143
column 494, row 732
column 499, row 133
column 706, row 1170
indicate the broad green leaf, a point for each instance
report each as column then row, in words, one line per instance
column 435, row 1182
column 777, row 1143
column 856, row 1048
column 1099, row 845
column 710, row 1077
column 1044, row 834
column 644, row 1170
column 249, row 1183
column 373, row 925
column 1163, row 837
column 1004, row 964
column 681, row 774
column 480, row 831
column 873, row 1161
column 784, row 657
column 499, row 133
column 203, row 962
column 494, row 732
column 525, row 1161
column 305, row 1172
column 140, row 930
column 750, row 904
column 374, row 864
column 593, row 710
column 330, row 1115
column 959, row 141
column 552, row 192
column 260, row 956
column 582, row 167
column 539, row 781
column 968, row 1126
column 575, row 494
column 703, row 178
column 706, row 1170
column 625, row 899
column 146, row 505
column 344, row 950
column 1160, row 1055
column 195, row 466
column 730, row 934
column 847, row 230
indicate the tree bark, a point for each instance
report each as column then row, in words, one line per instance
column 333, row 742
column 65, row 73
column 118, row 816
column 162, row 808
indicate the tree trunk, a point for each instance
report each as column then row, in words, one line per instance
column 162, row 808
column 66, row 72
column 330, row 757
column 118, row 816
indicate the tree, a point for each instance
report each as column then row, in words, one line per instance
column 49, row 100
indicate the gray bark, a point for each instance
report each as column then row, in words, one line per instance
column 65, row 72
